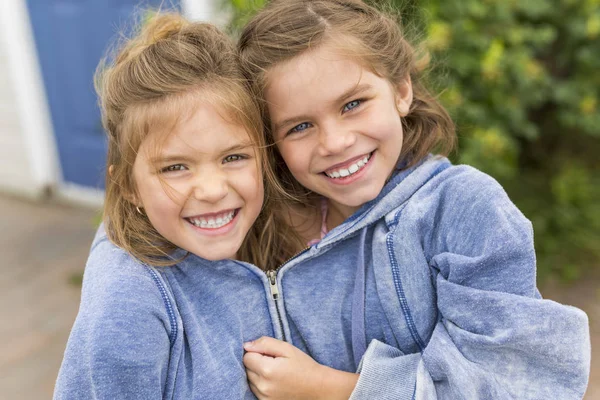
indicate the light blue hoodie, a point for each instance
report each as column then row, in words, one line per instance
column 428, row 291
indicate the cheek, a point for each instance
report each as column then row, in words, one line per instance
column 388, row 133
column 296, row 156
column 171, row 194
column 249, row 184
column 159, row 198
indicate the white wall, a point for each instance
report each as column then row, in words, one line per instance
column 28, row 160
column 15, row 171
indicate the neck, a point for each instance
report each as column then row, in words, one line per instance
column 338, row 213
column 306, row 221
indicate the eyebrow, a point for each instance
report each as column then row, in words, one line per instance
column 169, row 159
column 352, row 91
column 180, row 158
column 237, row 147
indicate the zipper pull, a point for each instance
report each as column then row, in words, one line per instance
column 272, row 275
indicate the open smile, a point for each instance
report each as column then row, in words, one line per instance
column 213, row 221
column 343, row 172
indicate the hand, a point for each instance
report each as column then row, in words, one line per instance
column 278, row 370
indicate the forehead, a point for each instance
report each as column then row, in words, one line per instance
column 321, row 74
column 313, row 67
column 204, row 128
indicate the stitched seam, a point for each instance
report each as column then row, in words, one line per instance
column 169, row 307
column 400, row 291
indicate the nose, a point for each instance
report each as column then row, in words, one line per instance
column 334, row 138
column 210, row 187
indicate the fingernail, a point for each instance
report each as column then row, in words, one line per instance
column 248, row 345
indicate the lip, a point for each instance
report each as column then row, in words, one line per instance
column 346, row 163
column 354, row 177
column 225, row 229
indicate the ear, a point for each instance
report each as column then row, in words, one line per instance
column 133, row 198
column 404, row 96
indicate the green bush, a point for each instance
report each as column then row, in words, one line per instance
column 521, row 79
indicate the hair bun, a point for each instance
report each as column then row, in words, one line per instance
column 161, row 26
column 154, row 27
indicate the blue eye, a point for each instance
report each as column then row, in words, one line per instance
column 234, row 157
column 300, row 127
column 351, row 105
column 173, row 168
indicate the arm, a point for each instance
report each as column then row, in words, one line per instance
column 119, row 345
column 494, row 338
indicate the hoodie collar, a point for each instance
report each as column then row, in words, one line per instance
column 392, row 196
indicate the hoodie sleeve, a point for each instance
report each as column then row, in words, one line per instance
column 119, row 345
column 495, row 338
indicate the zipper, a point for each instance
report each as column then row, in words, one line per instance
column 291, row 258
column 272, row 276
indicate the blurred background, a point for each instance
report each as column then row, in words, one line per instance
column 521, row 80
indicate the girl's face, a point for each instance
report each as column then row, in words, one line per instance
column 337, row 125
column 202, row 190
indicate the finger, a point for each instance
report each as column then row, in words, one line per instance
column 253, row 377
column 253, row 361
column 263, row 366
column 256, row 391
column 269, row 346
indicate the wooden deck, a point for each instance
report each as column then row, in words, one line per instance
column 44, row 248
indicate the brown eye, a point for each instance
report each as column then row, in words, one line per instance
column 172, row 168
column 234, row 157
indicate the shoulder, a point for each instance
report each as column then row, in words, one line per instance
column 464, row 191
column 109, row 264
column 118, row 286
column 464, row 207
column 464, row 183
column 123, row 330
column 123, row 319
column 474, row 234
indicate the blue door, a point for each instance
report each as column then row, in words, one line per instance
column 71, row 37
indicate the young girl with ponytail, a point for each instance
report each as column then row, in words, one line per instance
column 171, row 288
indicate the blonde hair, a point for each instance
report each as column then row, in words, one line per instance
column 285, row 29
column 154, row 78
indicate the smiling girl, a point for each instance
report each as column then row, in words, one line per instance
column 419, row 282
column 164, row 307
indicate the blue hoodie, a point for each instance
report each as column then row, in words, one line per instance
column 428, row 291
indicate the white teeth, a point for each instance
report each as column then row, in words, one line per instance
column 213, row 223
column 342, row 172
